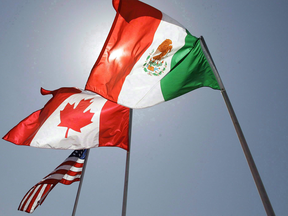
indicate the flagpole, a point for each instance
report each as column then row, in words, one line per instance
column 80, row 183
column 248, row 155
column 125, row 193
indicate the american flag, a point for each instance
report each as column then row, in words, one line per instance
column 66, row 173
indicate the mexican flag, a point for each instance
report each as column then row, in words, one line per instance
column 148, row 58
column 73, row 119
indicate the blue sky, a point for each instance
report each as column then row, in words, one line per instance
column 186, row 158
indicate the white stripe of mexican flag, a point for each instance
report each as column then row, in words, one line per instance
column 146, row 86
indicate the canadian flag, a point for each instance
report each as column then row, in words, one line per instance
column 73, row 119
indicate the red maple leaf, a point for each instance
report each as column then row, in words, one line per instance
column 75, row 119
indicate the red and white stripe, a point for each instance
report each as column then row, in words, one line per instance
column 66, row 173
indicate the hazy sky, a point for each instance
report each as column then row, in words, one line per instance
column 185, row 155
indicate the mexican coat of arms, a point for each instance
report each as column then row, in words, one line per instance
column 155, row 64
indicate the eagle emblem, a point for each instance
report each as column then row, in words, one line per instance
column 155, row 64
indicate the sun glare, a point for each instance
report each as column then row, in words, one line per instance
column 115, row 54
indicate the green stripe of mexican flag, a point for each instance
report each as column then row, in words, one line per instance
column 148, row 58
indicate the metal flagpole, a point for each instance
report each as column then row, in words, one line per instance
column 80, row 183
column 248, row 155
column 125, row 193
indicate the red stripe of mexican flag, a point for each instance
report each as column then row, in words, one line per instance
column 148, row 58
column 130, row 35
column 73, row 119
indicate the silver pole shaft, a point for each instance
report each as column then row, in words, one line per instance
column 248, row 155
column 125, row 193
column 80, row 183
